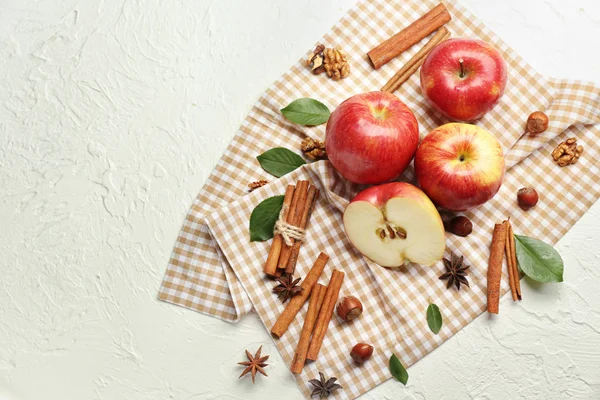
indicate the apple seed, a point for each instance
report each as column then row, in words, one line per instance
column 391, row 231
column 401, row 233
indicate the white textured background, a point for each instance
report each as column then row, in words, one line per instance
column 112, row 115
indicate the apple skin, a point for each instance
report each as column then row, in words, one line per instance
column 401, row 205
column 371, row 137
column 379, row 195
column 459, row 166
column 481, row 86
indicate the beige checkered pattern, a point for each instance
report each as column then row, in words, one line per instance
column 214, row 268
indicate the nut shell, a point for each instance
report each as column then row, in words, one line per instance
column 527, row 198
column 537, row 122
column 349, row 308
column 460, row 225
column 315, row 60
column 361, row 352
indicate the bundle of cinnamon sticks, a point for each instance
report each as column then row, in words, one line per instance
column 405, row 39
column 503, row 243
column 298, row 203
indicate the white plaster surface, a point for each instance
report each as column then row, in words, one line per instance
column 112, row 115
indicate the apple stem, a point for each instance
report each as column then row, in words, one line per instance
column 462, row 68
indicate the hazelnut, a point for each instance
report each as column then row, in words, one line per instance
column 527, row 197
column 349, row 308
column 461, row 226
column 361, row 352
column 537, row 122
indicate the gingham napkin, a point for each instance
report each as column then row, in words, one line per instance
column 216, row 270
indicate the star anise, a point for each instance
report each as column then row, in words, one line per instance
column 323, row 387
column 287, row 287
column 254, row 364
column 456, row 272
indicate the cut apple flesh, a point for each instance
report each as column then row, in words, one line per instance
column 424, row 242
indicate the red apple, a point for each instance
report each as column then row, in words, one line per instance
column 394, row 223
column 371, row 137
column 459, row 166
column 463, row 78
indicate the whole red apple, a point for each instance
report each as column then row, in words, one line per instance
column 459, row 166
column 394, row 223
column 463, row 78
column 371, row 137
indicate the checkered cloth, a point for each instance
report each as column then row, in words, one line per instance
column 216, row 270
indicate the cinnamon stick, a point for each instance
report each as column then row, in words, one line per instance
column 278, row 273
column 314, row 305
column 273, row 258
column 311, row 198
column 298, row 204
column 513, row 261
column 509, row 266
column 408, row 36
column 494, row 273
column 331, row 295
column 296, row 302
column 415, row 62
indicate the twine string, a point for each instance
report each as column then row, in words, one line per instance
column 288, row 232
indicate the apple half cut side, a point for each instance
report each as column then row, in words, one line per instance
column 395, row 223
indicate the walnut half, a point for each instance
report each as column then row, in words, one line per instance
column 333, row 61
column 336, row 64
column 567, row 152
column 314, row 149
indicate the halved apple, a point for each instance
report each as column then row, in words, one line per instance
column 395, row 223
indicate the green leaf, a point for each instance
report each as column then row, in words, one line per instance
column 279, row 161
column 397, row 369
column 263, row 218
column 538, row 260
column 434, row 318
column 306, row 111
